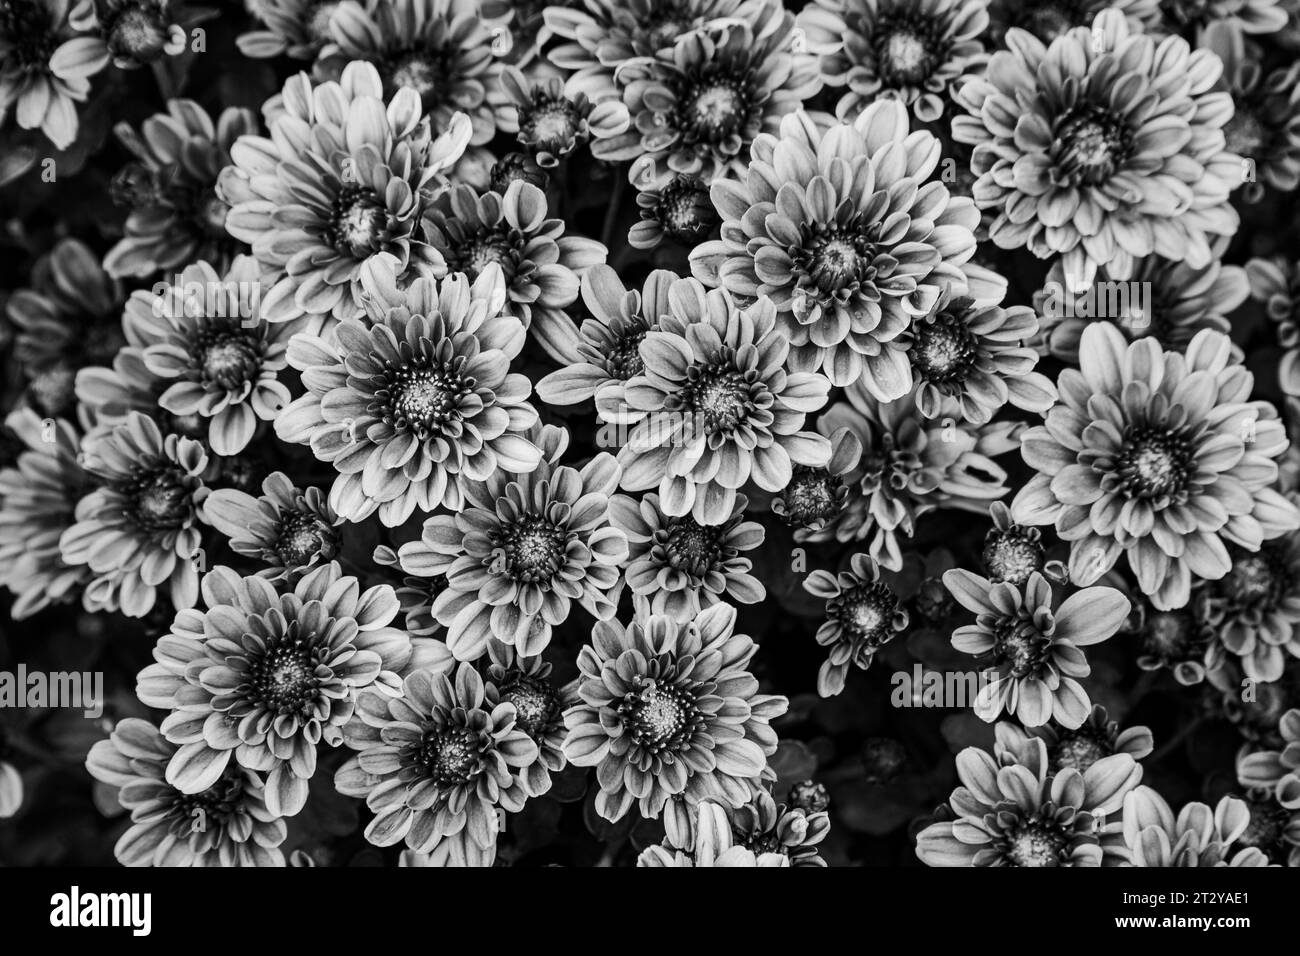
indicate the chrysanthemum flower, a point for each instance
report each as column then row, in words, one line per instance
column 525, row 683
column 43, row 70
column 1265, row 125
column 719, row 407
column 1048, row 19
column 68, row 319
column 1199, row 836
column 910, row 51
column 294, row 28
column 909, row 467
column 681, row 566
column 1251, row 16
column 1075, row 160
column 764, row 826
column 289, row 530
column 1157, row 455
column 132, row 33
column 1254, row 609
column 205, row 337
column 227, row 824
column 863, row 613
column 1167, row 301
column 38, row 500
column 862, row 242
column 1024, row 814
column 973, row 358
column 816, row 496
column 1096, row 739
column 1255, row 715
column 1276, row 775
column 602, row 355
column 542, row 266
column 437, row 763
column 1034, row 644
column 602, row 35
column 670, row 708
column 696, row 108
column 680, row 210
column 514, row 166
column 523, row 549
column 440, row 49
column 550, row 122
column 176, row 216
column 1013, row 552
column 259, row 678
column 714, row 842
column 1180, row 641
column 419, row 402
column 137, row 532
column 1276, row 283
column 342, row 179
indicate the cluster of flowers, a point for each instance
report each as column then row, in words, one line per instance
column 429, row 502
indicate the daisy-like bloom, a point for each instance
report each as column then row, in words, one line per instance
column 909, row 467
column 43, row 74
column 438, row 763
column 289, row 530
column 1254, row 609
column 227, row 824
column 542, row 266
column 38, row 500
column 549, row 122
column 176, row 216
column 602, row 35
column 1014, row 810
column 417, row 403
column 681, row 566
column 1048, row 20
column 1250, row 16
column 1275, row 774
column 1034, row 644
column 1167, row 301
column 260, row 678
column 202, row 334
column 341, row 180
column 671, row 709
column 599, row 357
column 764, row 826
column 719, row 406
column 680, row 211
column 714, row 842
column 441, row 50
column 294, row 28
column 1077, row 157
column 1265, row 125
column 1157, row 455
column 1276, row 283
column 138, row 530
column 863, row 614
column 131, row 33
column 910, row 51
column 862, row 243
column 525, row 683
column 1096, row 739
column 1013, row 552
column 1199, row 836
column 1180, row 641
column 816, row 496
column 522, row 550
column 69, row 318
column 973, row 358
column 696, row 108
